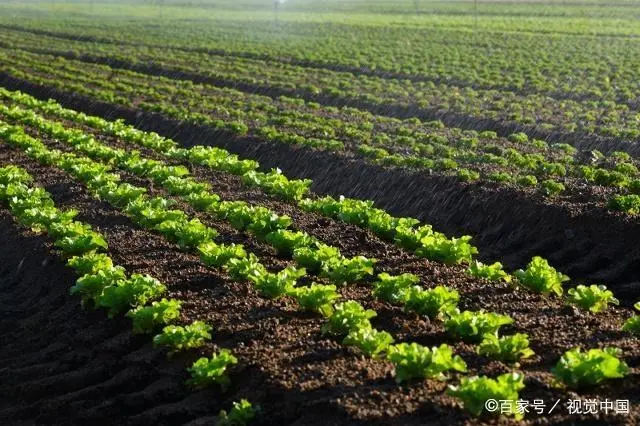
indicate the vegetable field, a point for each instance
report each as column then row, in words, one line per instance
column 362, row 212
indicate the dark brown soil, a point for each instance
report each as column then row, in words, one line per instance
column 76, row 367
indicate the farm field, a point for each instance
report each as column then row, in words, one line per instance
column 360, row 212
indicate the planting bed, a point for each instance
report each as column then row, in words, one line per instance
column 286, row 225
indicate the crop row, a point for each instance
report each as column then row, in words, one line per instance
column 574, row 66
column 604, row 117
column 422, row 240
column 265, row 224
column 103, row 285
column 515, row 161
column 403, row 231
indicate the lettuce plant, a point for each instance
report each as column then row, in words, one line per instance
column 134, row 291
column 442, row 249
column 217, row 255
column 551, row 187
column 120, row 194
column 83, row 243
column 177, row 338
column 385, row 226
column 203, row 201
column 595, row 298
column 343, row 270
column 632, row 325
column 610, row 178
column 500, row 177
column 417, row 361
column 432, row 302
column 10, row 174
column 527, row 180
column 147, row 318
column 22, row 198
column 493, row 272
column 369, row 340
column 579, row 369
column 279, row 284
column 472, row 326
column 256, row 219
column 278, row 184
column 540, row 277
column 176, row 185
column 241, row 414
column 238, row 213
column 316, row 297
column 263, row 221
column 346, row 317
column 207, row 371
column 355, row 212
column 136, row 206
column 313, row 257
column 475, row 391
column 216, row 158
column 394, row 288
column 63, row 229
column 188, row 234
column 518, row 137
column 43, row 217
column 327, row 206
column 285, row 241
column 629, row 204
column 90, row 263
column 245, row 267
column 466, row 175
column 90, row 286
column 149, row 213
column 506, row 348
column 409, row 237
column 551, row 169
column 161, row 173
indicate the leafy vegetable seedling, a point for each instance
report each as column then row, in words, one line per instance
column 595, row 298
column 241, row 414
column 177, row 338
column 632, row 325
column 580, row 369
column 369, row 340
column 493, row 272
column 472, row 326
column 147, row 318
column 347, row 317
column 417, row 361
column 474, row 392
column 540, row 277
column 394, row 289
column 506, row 348
column 207, row 371
column 316, row 297
column 433, row 302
